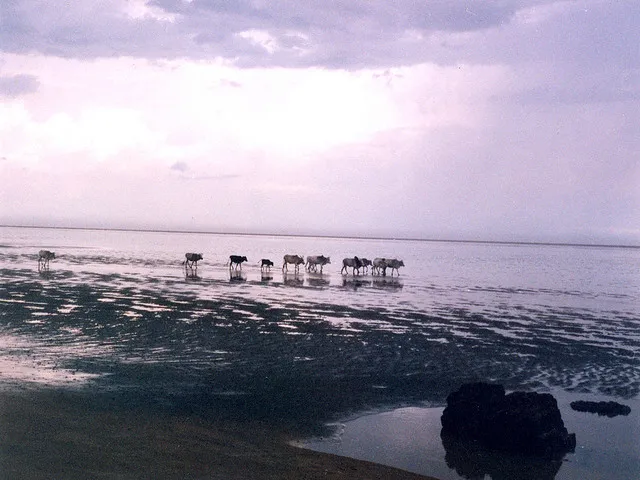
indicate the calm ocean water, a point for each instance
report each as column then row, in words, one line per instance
column 116, row 312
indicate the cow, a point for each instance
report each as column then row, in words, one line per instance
column 191, row 260
column 365, row 263
column 314, row 261
column 265, row 263
column 394, row 264
column 235, row 261
column 44, row 256
column 296, row 260
column 354, row 263
column 379, row 264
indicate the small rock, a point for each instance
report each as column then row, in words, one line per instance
column 609, row 409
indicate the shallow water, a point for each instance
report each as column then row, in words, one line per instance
column 409, row 438
column 118, row 312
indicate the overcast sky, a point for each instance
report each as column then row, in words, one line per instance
column 497, row 120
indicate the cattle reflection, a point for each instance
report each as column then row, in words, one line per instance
column 318, row 280
column 387, row 283
column 354, row 283
column 45, row 274
column 191, row 275
column 266, row 276
column 292, row 280
column 472, row 461
column 237, row 276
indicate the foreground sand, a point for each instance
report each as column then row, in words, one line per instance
column 59, row 435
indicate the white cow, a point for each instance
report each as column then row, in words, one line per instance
column 379, row 265
column 296, row 260
column 44, row 256
column 394, row 264
column 192, row 259
column 314, row 261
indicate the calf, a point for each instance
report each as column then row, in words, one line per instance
column 235, row 261
column 314, row 261
column 43, row 259
column 354, row 263
column 296, row 260
column 192, row 259
column 265, row 263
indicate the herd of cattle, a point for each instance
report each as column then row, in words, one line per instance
column 378, row 266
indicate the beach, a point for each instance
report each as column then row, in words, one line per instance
column 62, row 434
column 118, row 361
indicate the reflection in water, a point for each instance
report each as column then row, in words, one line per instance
column 472, row 461
column 387, row 283
column 292, row 279
column 383, row 283
column 318, row 280
column 237, row 276
column 191, row 275
column 266, row 276
column 46, row 274
column 355, row 283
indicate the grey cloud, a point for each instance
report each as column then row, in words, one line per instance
column 180, row 167
column 562, row 94
column 337, row 15
column 17, row 85
column 332, row 33
column 574, row 84
column 335, row 33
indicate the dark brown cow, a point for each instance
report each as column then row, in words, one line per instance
column 235, row 261
column 354, row 263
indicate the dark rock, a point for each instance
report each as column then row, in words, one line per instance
column 471, row 460
column 521, row 422
column 609, row 409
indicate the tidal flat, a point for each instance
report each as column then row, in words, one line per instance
column 118, row 331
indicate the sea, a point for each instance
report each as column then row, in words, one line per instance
column 361, row 363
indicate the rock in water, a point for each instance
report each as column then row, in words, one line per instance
column 521, row 422
column 609, row 409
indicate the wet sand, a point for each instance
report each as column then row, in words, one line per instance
column 58, row 434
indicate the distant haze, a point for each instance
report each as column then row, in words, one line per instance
column 515, row 120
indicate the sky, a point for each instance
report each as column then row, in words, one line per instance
column 513, row 120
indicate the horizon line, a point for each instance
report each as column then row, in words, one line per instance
column 346, row 236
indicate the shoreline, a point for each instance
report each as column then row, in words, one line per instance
column 63, row 434
column 401, row 238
